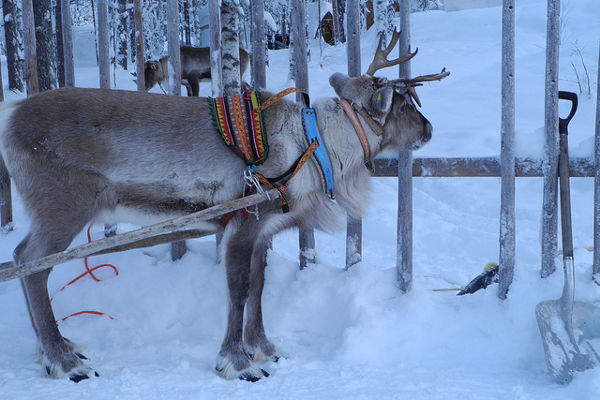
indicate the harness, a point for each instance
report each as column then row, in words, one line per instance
column 238, row 119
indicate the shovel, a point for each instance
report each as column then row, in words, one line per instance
column 566, row 325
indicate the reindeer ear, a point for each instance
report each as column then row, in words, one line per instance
column 381, row 101
column 337, row 82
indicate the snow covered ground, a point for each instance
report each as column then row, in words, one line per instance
column 353, row 335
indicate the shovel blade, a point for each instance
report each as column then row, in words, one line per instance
column 563, row 354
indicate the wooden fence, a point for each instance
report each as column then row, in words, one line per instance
column 405, row 167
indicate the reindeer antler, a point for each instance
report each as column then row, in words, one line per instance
column 416, row 81
column 380, row 60
column 410, row 83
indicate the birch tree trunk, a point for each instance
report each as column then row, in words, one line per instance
column 46, row 55
column 230, row 47
column 139, row 44
column 12, row 35
column 67, row 33
column 103, row 48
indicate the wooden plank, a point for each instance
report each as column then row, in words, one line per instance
column 506, row 265
column 11, row 271
column 549, row 204
column 477, row 167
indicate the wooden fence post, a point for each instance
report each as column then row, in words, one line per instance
column 178, row 249
column 5, row 189
column 353, row 225
column 259, row 74
column 550, row 209
column 139, row 44
column 216, row 75
column 67, row 32
column 405, row 213
column 596, row 265
column 174, row 52
column 507, row 152
column 31, row 74
column 306, row 238
column 103, row 48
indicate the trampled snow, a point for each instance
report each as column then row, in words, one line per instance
column 353, row 334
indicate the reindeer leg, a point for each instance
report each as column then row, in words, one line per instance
column 255, row 339
column 57, row 354
column 233, row 360
column 194, row 86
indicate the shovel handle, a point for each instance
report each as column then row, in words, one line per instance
column 563, row 123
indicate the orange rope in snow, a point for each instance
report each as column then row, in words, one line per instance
column 88, row 271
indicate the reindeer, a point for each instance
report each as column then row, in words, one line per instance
column 80, row 155
column 195, row 67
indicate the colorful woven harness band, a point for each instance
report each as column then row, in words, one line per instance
column 238, row 119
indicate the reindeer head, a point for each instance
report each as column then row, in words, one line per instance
column 155, row 71
column 391, row 104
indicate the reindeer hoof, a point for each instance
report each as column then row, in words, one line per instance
column 253, row 378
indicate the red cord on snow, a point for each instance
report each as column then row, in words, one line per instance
column 88, row 271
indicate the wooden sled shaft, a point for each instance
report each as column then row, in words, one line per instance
column 151, row 235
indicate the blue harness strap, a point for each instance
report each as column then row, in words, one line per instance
column 312, row 134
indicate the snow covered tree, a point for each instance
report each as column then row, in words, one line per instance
column 60, row 52
column 155, row 28
column 121, row 34
column 46, row 53
column 338, row 8
column 382, row 18
column 14, row 46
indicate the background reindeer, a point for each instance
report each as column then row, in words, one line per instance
column 78, row 155
column 195, row 67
